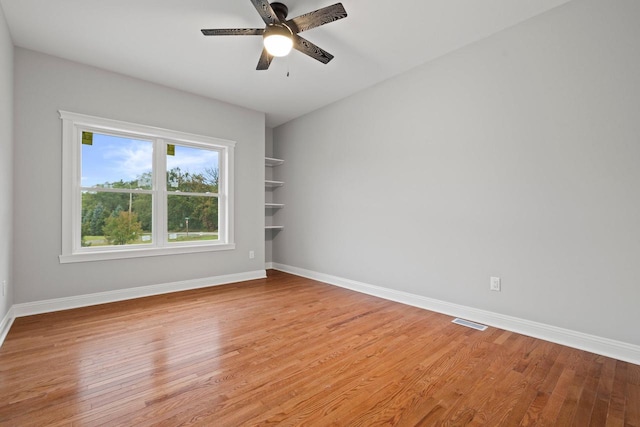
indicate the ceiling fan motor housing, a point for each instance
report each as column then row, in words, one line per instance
column 280, row 9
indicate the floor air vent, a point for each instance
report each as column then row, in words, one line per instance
column 469, row 324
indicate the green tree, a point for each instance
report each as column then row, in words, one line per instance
column 122, row 229
column 142, row 207
column 201, row 211
column 207, row 213
column 212, row 177
column 97, row 220
column 86, row 220
column 116, row 211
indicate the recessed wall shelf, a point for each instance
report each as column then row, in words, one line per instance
column 271, row 185
column 270, row 161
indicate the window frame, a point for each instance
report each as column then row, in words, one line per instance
column 73, row 124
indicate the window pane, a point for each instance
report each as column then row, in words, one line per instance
column 192, row 170
column 116, row 162
column 115, row 219
column 192, row 218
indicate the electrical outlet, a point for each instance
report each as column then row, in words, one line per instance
column 494, row 284
column 4, row 287
column 252, row 254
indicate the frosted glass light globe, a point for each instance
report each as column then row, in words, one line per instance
column 278, row 40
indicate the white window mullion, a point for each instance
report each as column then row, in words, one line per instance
column 160, row 193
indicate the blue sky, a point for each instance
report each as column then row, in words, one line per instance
column 113, row 158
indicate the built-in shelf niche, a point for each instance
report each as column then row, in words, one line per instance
column 270, row 185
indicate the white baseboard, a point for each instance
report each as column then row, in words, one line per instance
column 57, row 304
column 268, row 266
column 594, row 344
column 5, row 324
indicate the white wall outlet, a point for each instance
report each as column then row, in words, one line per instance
column 494, row 284
column 4, row 287
column 252, row 254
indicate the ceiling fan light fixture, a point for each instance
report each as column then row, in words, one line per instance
column 281, row 34
column 278, row 40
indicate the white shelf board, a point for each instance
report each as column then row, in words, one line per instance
column 268, row 183
column 274, row 205
column 273, row 227
column 270, row 161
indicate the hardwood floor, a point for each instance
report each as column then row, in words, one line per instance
column 291, row 351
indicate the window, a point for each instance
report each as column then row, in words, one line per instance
column 131, row 190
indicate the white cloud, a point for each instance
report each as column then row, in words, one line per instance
column 130, row 160
column 111, row 159
column 192, row 160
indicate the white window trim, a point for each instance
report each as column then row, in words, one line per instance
column 72, row 123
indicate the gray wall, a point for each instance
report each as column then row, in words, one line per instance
column 517, row 156
column 44, row 84
column 6, row 163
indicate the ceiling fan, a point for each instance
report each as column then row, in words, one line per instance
column 281, row 34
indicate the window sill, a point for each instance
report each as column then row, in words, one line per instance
column 139, row 253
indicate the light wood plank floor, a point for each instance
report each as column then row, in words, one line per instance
column 291, row 351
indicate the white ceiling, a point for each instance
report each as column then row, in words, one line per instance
column 160, row 41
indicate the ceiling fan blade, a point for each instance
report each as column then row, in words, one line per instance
column 264, row 61
column 316, row 18
column 234, row 32
column 308, row 48
column 266, row 11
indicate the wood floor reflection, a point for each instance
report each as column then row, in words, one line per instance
column 287, row 351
